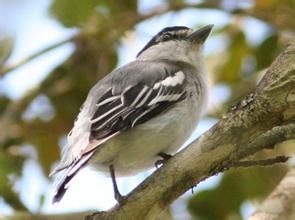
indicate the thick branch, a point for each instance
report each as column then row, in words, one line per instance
column 280, row 204
column 246, row 129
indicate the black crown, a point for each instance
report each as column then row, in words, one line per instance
column 166, row 34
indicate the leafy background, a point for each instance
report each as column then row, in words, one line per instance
column 40, row 95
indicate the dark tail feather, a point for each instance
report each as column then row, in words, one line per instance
column 64, row 182
column 62, row 188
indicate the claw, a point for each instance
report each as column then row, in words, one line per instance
column 165, row 157
column 159, row 163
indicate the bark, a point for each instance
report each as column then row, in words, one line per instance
column 280, row 204
column 261, row 120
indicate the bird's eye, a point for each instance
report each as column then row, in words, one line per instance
column 166, row 37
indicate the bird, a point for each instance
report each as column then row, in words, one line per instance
column 140, row 112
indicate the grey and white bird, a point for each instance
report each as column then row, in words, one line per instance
column 140, row 112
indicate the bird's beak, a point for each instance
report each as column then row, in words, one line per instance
column 200, row 35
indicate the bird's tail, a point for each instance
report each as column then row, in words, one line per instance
column 69, row 173
column 70, row 170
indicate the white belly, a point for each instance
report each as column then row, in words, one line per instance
column 137, row 149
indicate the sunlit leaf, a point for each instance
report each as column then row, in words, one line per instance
column 76, row 13
column 73, row 12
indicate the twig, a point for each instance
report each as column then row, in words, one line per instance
column 268, row 140
column 266, row 162
column 35, row 55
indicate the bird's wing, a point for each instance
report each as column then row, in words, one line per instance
column 127, row 103
column 121, row 107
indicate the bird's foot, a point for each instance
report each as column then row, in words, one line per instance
column 164, row 156
column 120, row 198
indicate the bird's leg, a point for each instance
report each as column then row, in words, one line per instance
column 117, row 194
column 164, row 156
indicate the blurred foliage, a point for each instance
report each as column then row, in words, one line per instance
column 81, row 13
column 6, row 47
column 236, row 187
column 230, row 70
column 101, row 25
column 266, row 51
column 11, row 164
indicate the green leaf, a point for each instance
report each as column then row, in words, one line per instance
column 238, row 50
column 266, row 51
column 11, row 165
column 73, row 12
column 6, row 47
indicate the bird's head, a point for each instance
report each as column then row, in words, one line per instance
column 177, row 43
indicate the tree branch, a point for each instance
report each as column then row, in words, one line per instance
column 262, row 119
column 266, row 162
column 280, row 204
